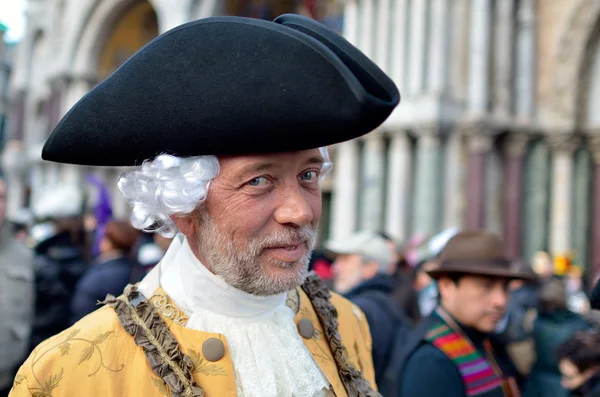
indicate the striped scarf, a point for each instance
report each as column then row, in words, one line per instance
column 476, row 371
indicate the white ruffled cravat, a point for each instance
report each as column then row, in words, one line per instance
column 268, row 354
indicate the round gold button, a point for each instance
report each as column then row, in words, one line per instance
column 306, row 328
column 213, row 349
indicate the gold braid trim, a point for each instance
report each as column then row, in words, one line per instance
column 152, row 334
column 161, row 352
column 318, row 293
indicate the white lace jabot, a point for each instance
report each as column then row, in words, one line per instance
column 269, row 357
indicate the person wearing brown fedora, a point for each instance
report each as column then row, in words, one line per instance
column 455, row 344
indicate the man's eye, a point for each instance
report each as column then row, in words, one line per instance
column 258, row 181
column 309, row 175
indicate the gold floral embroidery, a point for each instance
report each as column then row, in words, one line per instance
column 45, row 388
column 167, row 309
column 203, row 366
column 19, row 379
column 161, row 386
column 49, row 384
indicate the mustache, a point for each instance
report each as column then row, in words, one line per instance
column 287, row 236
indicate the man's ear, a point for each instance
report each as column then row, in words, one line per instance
column 185, row 224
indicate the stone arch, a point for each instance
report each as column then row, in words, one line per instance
column 136, row 26
column 572, row 59
column 102, row 20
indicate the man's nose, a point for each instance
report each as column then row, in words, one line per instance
column 294, row 208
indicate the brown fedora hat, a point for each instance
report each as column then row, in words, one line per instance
column 476, row 252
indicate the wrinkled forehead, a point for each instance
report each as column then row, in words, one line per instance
column 261, row 161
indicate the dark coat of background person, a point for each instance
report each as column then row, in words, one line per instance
column 384, row 315
column 17, row 301
column 550, row 330
column 59, row 264
column 427, row 372
column 111, row 271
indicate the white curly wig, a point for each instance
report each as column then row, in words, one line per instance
column 169, row 185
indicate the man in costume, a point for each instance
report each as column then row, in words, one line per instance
column 233, row 117
column 453, row 353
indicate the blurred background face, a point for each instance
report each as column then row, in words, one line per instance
column 348, row 272
column 422, row 279
column 477, row 302
column 571, row 377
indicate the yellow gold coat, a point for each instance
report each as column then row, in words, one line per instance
column 97, row 357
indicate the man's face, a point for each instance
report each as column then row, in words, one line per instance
column 348, row 271
column 477, row 302
column 258, row 225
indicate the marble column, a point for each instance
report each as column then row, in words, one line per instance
column 171, row 13
column 351, row 21
column 581, row 216
column 398, row 186
column 16, row 167
column 515, row 149
column 439, row 47
column 399, row 41
column 537, row 199
column 525, row 63
column 594, row 269
column 454, row 176
column 479, row 48
column 372, row 182
column 563, row 145
column 366, row 36
column 494, row 173
column 426, row 205
column 345, row 189
column 54, row 104
column 77, row 88
column 503, row 58
column 459, row 60
column 17, row 117
column 418, row 45
column 382, row 46
column 480, row 142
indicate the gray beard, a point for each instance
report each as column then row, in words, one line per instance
column 240, row 266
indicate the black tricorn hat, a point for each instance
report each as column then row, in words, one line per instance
column 224, row 86
column 477, row 252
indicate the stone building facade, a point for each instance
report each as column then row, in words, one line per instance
column 498, row 125
column 71, row 45
column 497, row 128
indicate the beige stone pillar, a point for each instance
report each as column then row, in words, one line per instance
column 398, row 186
column 418, row 46
column 563, row 145
column 479, row 56
column 372, row 182
column 344, row 206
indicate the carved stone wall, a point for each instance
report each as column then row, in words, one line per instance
column 570, row 63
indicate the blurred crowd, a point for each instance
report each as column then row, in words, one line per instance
column 549, row 330
column 60, row 261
